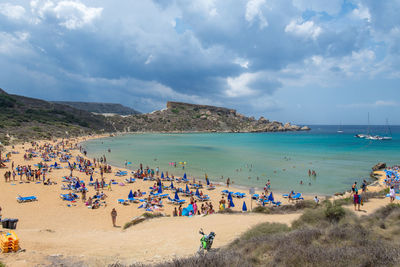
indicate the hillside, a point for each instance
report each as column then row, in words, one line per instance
column 100, row 108
column 183, row 117
column 24, row 118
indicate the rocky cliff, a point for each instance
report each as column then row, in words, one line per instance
column 100, row 108
column 183, row 117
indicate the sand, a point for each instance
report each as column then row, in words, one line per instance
column 51, row 232
column 49, row 227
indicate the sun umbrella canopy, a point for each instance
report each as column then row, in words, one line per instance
column 160, row 189
column 184, row 176
column 187, row 188
column 162, row 175
column 172, row 185
column 231, row 203
column 91, row 178
column 229, row 196
column 271, row 197
column 130, row 194
column 77, row 185
column 197, row 192
column 244, row 208
column 176, row 195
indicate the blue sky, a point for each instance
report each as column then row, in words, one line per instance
column 303, row 61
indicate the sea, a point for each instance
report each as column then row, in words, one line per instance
column 251, row 159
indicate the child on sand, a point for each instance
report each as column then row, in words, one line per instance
column 114, row 216
column 392, row 194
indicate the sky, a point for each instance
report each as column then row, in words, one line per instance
column 300, row 61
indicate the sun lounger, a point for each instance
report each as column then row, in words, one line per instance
column 255, row 196
column 123, row 202
column 68, row 197
column 26, row 199
column 239, row 195
column 226, row 192
column 133, row 200
column 130, row 180
column 203, row 198
column 176, row 201
column 276, row 204
column 297, row 196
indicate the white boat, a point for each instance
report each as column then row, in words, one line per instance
column 340, row 129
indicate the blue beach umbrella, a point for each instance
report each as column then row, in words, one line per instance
column 197, row 192
column 91, row 178
column 187, row 188
column 172, row 185
column 130, row 194
column 270, row 197
column 229, row 196
column 184, row 175
column 244, row 208
column 162, row 175
column 208, row 181
column 231, row 203
column 176, row 195
column 77, row 185
column 160, row 189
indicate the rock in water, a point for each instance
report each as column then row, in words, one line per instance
column 379, row 166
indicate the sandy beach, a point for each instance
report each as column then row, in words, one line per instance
column 51, row 228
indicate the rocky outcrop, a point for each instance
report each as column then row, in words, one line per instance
column 183, row 117
column 379, row 166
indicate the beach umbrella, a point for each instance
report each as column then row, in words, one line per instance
column 270, row 197
column 160, row 189
column 187, row 188
column 162, row 175
column 229, row 196
column 231, row 203
column 176, row 195
column 172, row 185
column 130, row 194
column 197, row 192
column 184, row 176
column 244, row 208
column 77, row 185
column 208, row 181
column 91, row 178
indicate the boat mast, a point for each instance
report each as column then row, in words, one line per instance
column 368, row 124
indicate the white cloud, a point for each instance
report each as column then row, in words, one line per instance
column 12, row 11
column 253, row 11
column 362, row 12
column 15, row 43
column 239, row 86
column 70, row 14
column 305, row 29
column 242, row 62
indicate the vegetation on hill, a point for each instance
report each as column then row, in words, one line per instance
column 24, row 118
column 101, row 108
column 183, row 117
column 326, row 235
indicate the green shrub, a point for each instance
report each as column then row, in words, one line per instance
column 310, row 217
column 334, row 212
column 265, row 229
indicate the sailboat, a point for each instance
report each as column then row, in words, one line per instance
column 388, row 131
column 340, row 128
column 364, row 136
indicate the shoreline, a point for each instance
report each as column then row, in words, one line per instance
column 51, row 226
column 242, row 187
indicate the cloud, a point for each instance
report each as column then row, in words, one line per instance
column 305, row 29
column 254, row 10
column 70, row 14
column 331, row 7
column 251, row 84
column 12, row 11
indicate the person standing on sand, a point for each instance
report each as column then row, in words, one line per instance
column 114, row 217
column 354, row 188
column 228, row 182
column 180, row 210
column 356, row 200
column 392, row 194
column 364, row 186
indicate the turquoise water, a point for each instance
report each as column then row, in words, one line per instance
column 284, row 158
